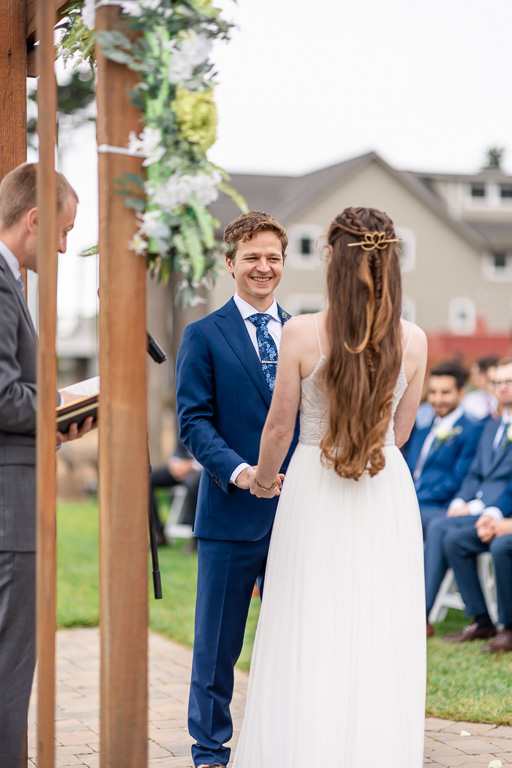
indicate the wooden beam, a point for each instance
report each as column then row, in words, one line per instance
column 60, row 7
column 46, row 469
column 13, row 89
column 123, row 454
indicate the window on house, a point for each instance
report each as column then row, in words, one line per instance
column 506, row 192
column 306, row 246
column 408, row 309
column 497, row 266
column 477, row 190
column 302, row 248
column 499, row 259
column 303, row 303
column 462, row 315
column 407, row 248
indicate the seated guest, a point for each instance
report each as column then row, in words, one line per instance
column 181, row 469
column 487, row 479
column 439, row 455
column 461, row 550
column 481, row 402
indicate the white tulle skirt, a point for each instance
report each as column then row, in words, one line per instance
column 338, row 670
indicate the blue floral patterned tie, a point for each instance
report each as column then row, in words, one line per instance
column 267, row 348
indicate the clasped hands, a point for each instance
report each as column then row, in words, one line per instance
column 247, row 480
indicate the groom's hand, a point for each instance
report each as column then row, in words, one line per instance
column 243, row 479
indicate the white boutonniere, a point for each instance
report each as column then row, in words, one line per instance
column 508, row 436
column 443, row 433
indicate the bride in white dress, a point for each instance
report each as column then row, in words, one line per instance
column 338, row 670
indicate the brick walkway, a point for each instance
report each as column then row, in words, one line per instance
column 77, row 727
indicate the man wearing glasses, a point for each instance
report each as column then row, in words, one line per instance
column 483, row 500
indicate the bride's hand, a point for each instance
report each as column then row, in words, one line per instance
column 256, row 489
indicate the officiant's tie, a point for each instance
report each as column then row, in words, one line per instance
column 267, row 348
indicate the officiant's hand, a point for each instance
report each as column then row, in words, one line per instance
column 75, row 431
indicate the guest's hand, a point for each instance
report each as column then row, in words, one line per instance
column 459, row 511
column 180, row 468
column 75, row 431
column 502, row 527
column 486, row 528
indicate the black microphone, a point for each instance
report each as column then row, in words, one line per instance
column 154, row 349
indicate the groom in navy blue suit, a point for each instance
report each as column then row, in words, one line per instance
column 225, row 372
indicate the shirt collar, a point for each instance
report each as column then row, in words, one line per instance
column 246, row 309
column 12, row 261
column 450, row 418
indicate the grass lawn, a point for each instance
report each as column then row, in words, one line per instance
column 463, row 683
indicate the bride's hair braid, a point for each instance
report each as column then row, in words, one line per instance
column 364, row 326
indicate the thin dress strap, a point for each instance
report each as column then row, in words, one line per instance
column 317, row 335
column 407, row 344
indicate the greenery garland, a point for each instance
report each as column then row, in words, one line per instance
column 175, row 87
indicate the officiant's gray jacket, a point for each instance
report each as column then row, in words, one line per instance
column 17, row 418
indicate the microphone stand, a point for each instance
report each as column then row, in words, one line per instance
column 157, row 354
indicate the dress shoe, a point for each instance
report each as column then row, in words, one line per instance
column 430, row 630
column 211, row 765
column 502, row 642
column 471, row 632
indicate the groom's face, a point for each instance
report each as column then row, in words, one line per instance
column 257, row 266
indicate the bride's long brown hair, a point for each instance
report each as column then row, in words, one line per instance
column 363, row 324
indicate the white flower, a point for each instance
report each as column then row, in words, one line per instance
column 136, row 8
column 138, row 244
column 148, row 145
column 89, row 13
column 444, row 432
column 153, row 226
column 509, row 433
column 180, row 187
column 187, row 54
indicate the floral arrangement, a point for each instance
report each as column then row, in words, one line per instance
column 508, row 437
column 175, row 88
column 443, row 433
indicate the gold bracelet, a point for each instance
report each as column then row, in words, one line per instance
column 270, row 488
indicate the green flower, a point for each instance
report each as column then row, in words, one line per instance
column 205, row 7
column 196, row 116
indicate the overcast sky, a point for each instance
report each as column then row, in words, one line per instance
column 303, row 85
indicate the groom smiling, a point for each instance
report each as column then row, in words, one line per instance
column 225, row 373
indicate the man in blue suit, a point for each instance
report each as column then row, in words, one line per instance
column 479, row 495
column 494, row 536
column 439, row 455
column 225, row 372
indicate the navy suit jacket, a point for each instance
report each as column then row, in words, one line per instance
column 490, row 472
column 222, row 401
column 447, row 463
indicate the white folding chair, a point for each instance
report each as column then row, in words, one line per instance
column 449, row 596
column 172, row 528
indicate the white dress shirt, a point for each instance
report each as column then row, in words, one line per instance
column 275, row 328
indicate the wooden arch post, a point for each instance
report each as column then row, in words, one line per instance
column 123, row 452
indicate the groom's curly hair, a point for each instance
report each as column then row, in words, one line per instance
column 363, row 322
column 246, row 226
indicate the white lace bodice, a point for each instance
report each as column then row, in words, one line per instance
column 313, row 406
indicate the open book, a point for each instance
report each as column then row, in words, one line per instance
column 86, row 404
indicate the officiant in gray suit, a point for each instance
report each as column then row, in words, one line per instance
column 18, row 247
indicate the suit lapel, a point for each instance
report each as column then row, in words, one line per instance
column 490, row 457
column 230, row 323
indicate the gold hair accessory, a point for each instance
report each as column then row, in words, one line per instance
column 373, row 240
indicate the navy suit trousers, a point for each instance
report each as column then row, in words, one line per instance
column 227, row 572
column 441, row 531
column 462, row 552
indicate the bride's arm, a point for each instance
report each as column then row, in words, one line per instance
column 415, row 362
column 280, row 424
